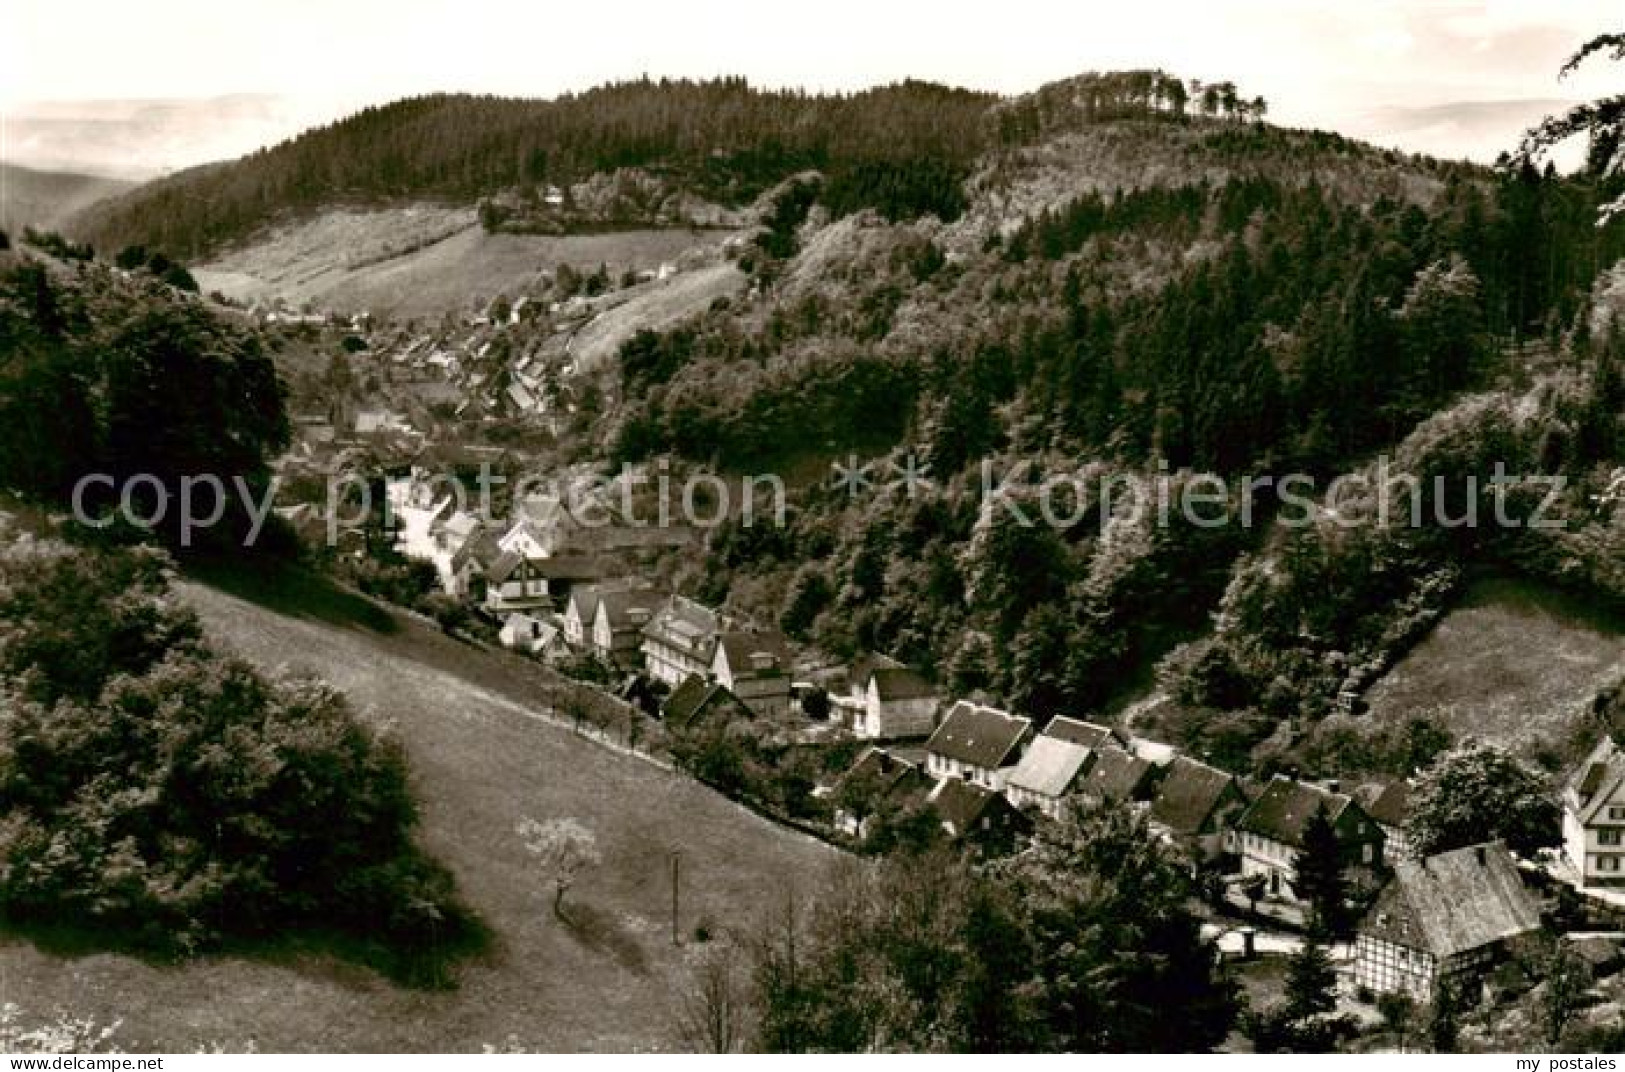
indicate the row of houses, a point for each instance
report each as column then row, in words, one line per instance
column 1440, row 919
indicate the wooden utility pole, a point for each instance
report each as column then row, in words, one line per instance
column 676, row 875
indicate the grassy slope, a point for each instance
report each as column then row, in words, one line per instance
column 479, row 761
column 420, row 261
column 1514, row 663
column 45, row 199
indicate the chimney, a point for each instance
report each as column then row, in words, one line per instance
column 1334, row 786
column 1483, row 857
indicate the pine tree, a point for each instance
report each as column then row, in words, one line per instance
column 1311, row 981
column 1321, row 881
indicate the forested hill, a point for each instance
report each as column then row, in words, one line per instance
column 723, row 139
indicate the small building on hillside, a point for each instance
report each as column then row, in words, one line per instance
column 1269, row 834
column 1594, row 817
column 1195, row 805
column 978, row 744
column 976, row 814
column 1089, row 734
column 542, row 526
column 618, row 618
column 877, row 782
column 529, row 633
column 681, row 640
column 1444, row 918
column 1390, row 805
column 1049, row 772
column 700, row 702
column 514, row 582
column 580, row 611
column 756, row 668
column 1117, row 776
column 888, row 701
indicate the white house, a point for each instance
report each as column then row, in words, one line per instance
column 1048, row 773
column 889, row 701
column 978, row 744
column 1594, row 817
column 756, row 668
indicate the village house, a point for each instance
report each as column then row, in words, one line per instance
column 542, row 526
column 617, row 623
column 1269, row 834
column 1089, row 734
column 888, row 701
column 514, row 582
column 1117, row 776
column 1048, row 773
column 526, row 632
column 1594, row 817
column 1444, row 918
column 977, row 744
column 1195, row 805
column 681, row 640
column 976, row 813
column 698, row 701
column 756, row 668
column 879, row 780
column 1390, row 805
column 580, row 611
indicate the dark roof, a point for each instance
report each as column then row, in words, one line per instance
column 1389, row 804
column 892, row 776
column 901, row 683
column 963, row 805
column 1116, row 775
column 981, row 736
column 1453, row 902
column 742, row 648
column 1189, row 794
column 621, row 604
column 1282, row 810
column 1088, row 734
column 503, row 567
column 570, row 567
column 697, row 698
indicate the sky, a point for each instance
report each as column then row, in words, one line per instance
column 1451, row 76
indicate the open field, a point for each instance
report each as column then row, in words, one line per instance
column 480, row 761
column 1515, row 663
column 653, row 307
column 421, row 260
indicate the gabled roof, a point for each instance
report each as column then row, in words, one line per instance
column 1453, row 902
column 620, row 607
column 697, row 698
column 1050, row 766
column 1389, row 805
column 1189, row 795
column 1116, row 775
column 980, row 736
column 1088, row 734
column 893, row 777
column 1283, row 809
column 742, row 650
column 584, row 598
column 504, row 567
column 1600, row 780
column 962, row 805
column 687, row 626
column 900, row 683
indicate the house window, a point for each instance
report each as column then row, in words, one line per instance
column 1365, row 852
column 1616, row 811
column 1608, row 863
column 1608, row 837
